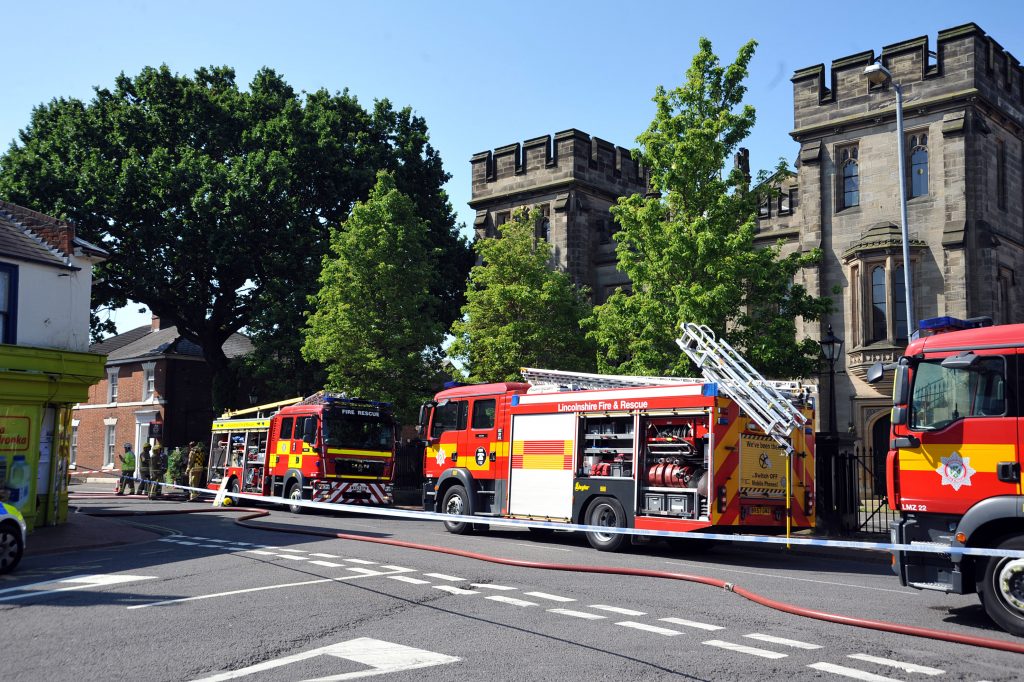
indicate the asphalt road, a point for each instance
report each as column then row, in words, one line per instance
column 213, row 600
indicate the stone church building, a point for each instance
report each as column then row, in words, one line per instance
column 964, row 146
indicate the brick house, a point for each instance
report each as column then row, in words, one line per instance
column 156, row 387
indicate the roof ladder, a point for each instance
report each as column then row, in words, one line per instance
column 721, row 363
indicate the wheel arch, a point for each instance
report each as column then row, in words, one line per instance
column 453, row 477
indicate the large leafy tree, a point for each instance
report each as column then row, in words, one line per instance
column 519, row 310
column 374, row 323
column 215, row 201
column 688, row 246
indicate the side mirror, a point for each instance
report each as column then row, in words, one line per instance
column 965, row 360
column 899, row 416
column 309, row 431
column 901, row 386
column 875, row 373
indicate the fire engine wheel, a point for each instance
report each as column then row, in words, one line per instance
column 233, row 488
column 456, row 501
column 295, row 493
column 606, row 511
column 1001, row 590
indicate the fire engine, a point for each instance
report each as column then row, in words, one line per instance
column 326, row 448
column 953, row 466
column 729, row 452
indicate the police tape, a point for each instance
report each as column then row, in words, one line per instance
column 222, row 494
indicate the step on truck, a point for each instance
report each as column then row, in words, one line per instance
column 730, row 452
column 325, row 448
column 954, row 461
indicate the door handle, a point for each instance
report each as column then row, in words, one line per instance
column 1008, row 472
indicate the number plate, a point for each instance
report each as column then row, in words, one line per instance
column 360, row 488
column 760, row 510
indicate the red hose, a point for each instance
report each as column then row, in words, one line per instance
column 913, row 631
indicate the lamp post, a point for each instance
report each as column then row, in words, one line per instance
column 831, row 348
column 879, row 75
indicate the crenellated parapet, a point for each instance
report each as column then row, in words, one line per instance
column 568, row 156
column 966, row 62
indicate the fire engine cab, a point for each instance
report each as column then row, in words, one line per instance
column 728, row 452
column 954, row 461
column 326, row 448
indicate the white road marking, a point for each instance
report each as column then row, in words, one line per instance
column 186, row 542
column 534, row 545
column 167, row 540
column 616, row 609
column 261, row 552
column 454, row 590
column 399, row 568
column 577, row 614
column 443, row 576
column 328, row 564
column 361, row 561
column 382, row 657
column 908, row 667
column 365, row 571
column 692, row 624
column 786, row 577
column 649, row 628
column 411, row 581
column 79, row 582
column 164, row 602
column 325, row 556
column 490, row 586
column 744, row 649
column 214, row 546
column 796, row 644
column 850, row 672
column 286, row 549
column 550, row 597
column 511, row 600
column 292, row 557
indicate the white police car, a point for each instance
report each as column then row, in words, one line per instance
column 12, row 537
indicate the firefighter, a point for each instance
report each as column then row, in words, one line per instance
column 127, row 470
column 157, row 467
column 145, row 474
column 196, row 468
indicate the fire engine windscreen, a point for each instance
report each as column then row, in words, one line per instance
column 942, row 395
column 346, row 428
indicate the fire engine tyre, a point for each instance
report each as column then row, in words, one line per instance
column 456, row 501
column 606, row 511
column 233, row 488
column 1001, row 590
column 11, row 546
column 295, row 493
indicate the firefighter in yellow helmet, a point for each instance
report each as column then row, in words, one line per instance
column 196, row 469
column 157, row 467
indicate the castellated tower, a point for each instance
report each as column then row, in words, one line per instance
column 573, row 179
column 964, row 157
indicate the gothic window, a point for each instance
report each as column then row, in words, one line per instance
column 878, row 324
column 785, row 203
column 501, row 218
column 899, row 304
column 764, row 208
column 544, row 224
column 849, row 178
column 918, row 146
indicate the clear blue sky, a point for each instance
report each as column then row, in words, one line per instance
column 482, row 74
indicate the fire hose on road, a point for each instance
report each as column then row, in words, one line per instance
column 251, row 513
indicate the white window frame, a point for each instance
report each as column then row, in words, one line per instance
column 112, row 385
column 148, row 380
column 109, row 442
column 74, row 443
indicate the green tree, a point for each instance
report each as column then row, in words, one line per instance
column 214, row 201
column 374, row 324
column 519, row 310
column 688, row 247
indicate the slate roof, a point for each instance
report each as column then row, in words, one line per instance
column 141, row 343
column 22, row 237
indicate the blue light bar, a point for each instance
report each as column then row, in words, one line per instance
column 938, row 325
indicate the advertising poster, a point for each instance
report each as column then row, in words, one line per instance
column 19, row 456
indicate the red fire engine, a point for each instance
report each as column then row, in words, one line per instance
column 953, row 467
column 326, row 448
column 723, row 454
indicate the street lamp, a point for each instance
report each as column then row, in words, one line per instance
column 879, row 75
column 831, row 348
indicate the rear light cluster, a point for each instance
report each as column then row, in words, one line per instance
column 722, row 499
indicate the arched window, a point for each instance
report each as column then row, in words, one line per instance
column 918, row 165
column 878, row 307
column 850, row 174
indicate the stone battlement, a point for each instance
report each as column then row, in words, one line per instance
column 966, row 60
column 568, row 155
